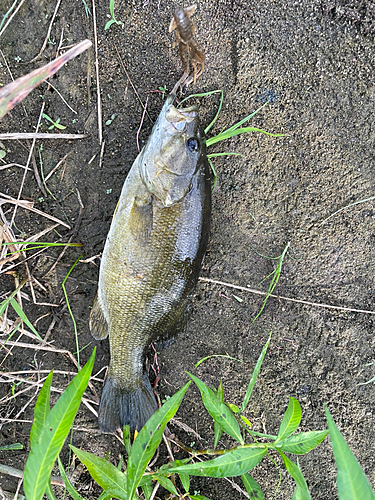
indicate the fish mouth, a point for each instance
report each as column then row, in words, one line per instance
column 163, row 168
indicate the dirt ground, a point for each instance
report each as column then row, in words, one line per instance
column 314, row 66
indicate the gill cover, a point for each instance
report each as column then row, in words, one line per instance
column 170, row 158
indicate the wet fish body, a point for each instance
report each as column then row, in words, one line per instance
column 151, row 260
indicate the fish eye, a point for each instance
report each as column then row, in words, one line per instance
column 192, row 144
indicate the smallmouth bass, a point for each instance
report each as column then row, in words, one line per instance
column 151, row 260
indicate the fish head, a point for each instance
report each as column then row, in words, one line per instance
column 173, row 154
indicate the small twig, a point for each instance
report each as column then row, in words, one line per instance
column 48, row 33
column 39, row 135
column 100, row 124
column 314, row 304
column 140, row 125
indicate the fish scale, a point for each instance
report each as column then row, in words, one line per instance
column 151, row 260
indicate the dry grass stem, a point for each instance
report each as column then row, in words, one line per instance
column 39, row 135
column 90, row 259
column 28, row 205
column 100, row 121
column 9, row 165
column 131, row 83
column 11, row 17
column 11, row 471
column 20, row 481
column 185, row 428
column 37, row 177
column 140, row 125
column 58, row 259
column 298, row 301
column 61, row 97
column 48, row 33
column 101, row 155
column 27, row 164
column 56, row 167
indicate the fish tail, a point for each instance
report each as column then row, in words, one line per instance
column 125, row 406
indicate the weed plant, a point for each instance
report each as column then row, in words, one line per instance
column 51, row 427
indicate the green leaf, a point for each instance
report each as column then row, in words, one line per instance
column 126, row 438
column 352, row 482
column 232, row 463
column 14, row 446
column 254, row 376
column 291, row 420
column 55, row 430
column 148, row 439
column 41, row 410
column 23, row 316
column 302, row 491
column 167, row 484
column 147, row 489
column 112, row 7
column 302, row 443
column 2, row 154
column 71, row 490
column 252, row 487
column 109, row 24
column 218, row 411
column 49, row 492
column 185, row 480
column 218, row 433
column 105, row 474
column 198, row 497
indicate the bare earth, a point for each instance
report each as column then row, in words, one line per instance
column 314, row 65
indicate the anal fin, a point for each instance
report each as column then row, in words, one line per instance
column 98, row 323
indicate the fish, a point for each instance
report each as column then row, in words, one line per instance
column 151, row 260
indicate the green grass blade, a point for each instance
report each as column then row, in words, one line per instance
column 105, row 474
column 254, row 376
column 207, row 129
column 204, row 94
column 352, row 483
column 241, row 122
column 214, row 155
column 291, row 420
column 234, row 463
column 9, row 447
column 71, row 490
column 55, row 430
column 215, row 356
column 148, row 439
column 218, row 411
column 23, row 316
column 302, row 491
column 302, row 443
column 41, row 410
column 213, row 172
column 252, row 487
column 231, row 133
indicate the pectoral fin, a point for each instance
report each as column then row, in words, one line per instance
column 98, row 323
column 141, row 218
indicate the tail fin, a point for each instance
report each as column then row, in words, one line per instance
column 119, row 406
